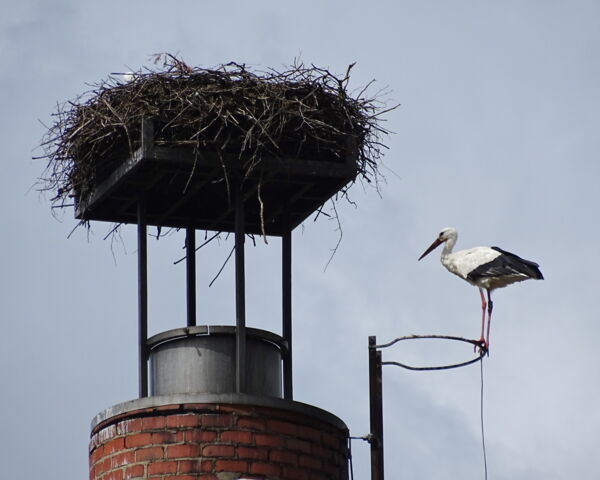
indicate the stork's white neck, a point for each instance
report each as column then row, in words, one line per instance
column 447, row 252
column 449, row 245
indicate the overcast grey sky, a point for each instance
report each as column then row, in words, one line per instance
column 497, row 136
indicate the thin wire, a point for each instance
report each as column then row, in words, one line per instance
column 364, row 438
column 482, row 430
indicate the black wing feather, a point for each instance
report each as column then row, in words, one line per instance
column 505, row 264
column 520, row 265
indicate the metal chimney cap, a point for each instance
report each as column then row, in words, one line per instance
column 201, row 330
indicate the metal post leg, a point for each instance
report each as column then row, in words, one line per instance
column 142, row 298
column 376, row 411
column 190, row 247
column 240, row 293
column 286, row 297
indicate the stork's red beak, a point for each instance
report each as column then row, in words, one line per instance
column 432, row 247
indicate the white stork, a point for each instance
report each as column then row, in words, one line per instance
column 486, row 268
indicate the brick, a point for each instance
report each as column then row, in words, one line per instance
column 97, row 454
column 330, row 469
column 308, row 433
column 264, row 469
column 268, row 440
column 113, row 446
column 129, row 426
column 121, row 459
column 230, row 466
column 153, row 423
column 293, row 473
column 93, row 443
column 183, row 451
column 284, row 456
column 218, row 451
column 102, row 466
column 189, row 477
column 167, row 437
column 236, row 437
column 193, row 466
column 298, row 445
column 278, row 426
column 135, row 471
column 331, row 441
column 183, row 420
column 159, row 468
column 150, row 453
column 310, row 462
column 322, row 452
column 252, row 453
column 319, row 476
column 107, row 433
column 207, row 465
column 254, row 424
column 199, row 436
column 216, row 420
column 114, row 475
column 138, row 440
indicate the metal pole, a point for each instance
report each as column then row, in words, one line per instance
column 376, row 410
column 240, row 293
column 286, row 300
column 142, row 297
column 190, row 262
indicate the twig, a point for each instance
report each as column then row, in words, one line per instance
column 112, row 230
column 262, row 212
column 222, row 267
column 339, row 229
column 206, row 242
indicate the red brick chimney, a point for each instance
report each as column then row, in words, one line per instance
column 217, row 437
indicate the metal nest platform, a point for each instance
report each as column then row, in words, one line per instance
column 183, row 188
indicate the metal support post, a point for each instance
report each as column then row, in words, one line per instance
column 376, row 410
column 190, row 249
column 142, row 297
column 240, row 292
column 286, row 297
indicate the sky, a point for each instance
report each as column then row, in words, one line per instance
column 496, row 135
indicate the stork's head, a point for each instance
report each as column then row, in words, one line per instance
column 447, row 234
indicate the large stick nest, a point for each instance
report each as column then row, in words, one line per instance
column 302, row 112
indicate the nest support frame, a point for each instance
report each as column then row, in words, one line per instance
column 184, row 188
column 179, row 187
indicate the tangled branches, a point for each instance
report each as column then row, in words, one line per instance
column 303, row 112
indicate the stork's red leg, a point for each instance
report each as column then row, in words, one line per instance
column 490, row 308
column 483, row 305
